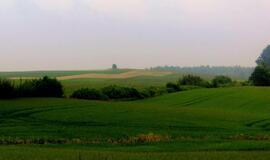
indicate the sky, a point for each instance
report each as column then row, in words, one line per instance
column 94, row 34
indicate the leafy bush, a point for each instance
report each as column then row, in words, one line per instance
column 221, row 81
column 44, row 87
column 47, row 87
column 172, row 87
column 261, row 76
column 90, row 94
column 193, row 81
column 152, row 92
column 26, row 89
column 245, row 83
column 7, row 89
column 117, row 92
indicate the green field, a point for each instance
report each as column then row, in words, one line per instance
column 214, row 123
column 138, row 82
column 58, row 73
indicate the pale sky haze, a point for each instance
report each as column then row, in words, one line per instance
column 94, row 34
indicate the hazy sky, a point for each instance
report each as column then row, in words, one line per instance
column 93, row 34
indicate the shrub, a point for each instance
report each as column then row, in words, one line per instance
column 7, row 89
column 116, row 92
column 26, row 89
column 172, row 87
column 47, row 87
column 245, row 83
column 261, row 76
column 193, row 81
column 44, row 87
column 90, row 94
column 152, row 92
column 221, row 81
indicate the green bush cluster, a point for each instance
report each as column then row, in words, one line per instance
column 44, row 87
column 152, row 92
column 221, row 81
column 114, row 92
column 86, row 93
column 192, row 80
column 117, row 92
column 188, row 82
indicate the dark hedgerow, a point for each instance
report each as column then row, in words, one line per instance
column 7, row 89
column 47, row 87
column 44, row 87
column 117, row 92
column 153, row 91
column 173, row 87
column 89, row 94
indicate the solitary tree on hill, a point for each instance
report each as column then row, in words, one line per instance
column 114, row 67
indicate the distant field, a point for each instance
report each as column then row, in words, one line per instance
column 211, row 122
column 125, row 75
column 73, row 80
column 36, row 74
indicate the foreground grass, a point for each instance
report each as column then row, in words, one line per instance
column 224, row 123
column 55, row 153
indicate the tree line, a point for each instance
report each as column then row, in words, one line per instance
column 236, row 72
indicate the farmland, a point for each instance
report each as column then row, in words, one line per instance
column 73, row 80
column 211, row 122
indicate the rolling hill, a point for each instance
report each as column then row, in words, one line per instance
column 199, row 120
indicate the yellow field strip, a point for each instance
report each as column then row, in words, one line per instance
column 130, row 74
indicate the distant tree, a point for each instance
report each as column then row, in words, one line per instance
column 261, row 76
column 114, row 67
column 220, row 81
column 264, row 57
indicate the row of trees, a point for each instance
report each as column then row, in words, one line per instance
column 236, row 72
column 197, row 81
column 44, row 87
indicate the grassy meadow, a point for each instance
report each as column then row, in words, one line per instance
column 221, row 123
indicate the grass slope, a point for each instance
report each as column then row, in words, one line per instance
column 226, row 119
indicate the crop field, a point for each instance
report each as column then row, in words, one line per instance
column 74, row 80
column 222, row 123
column 37, row 74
